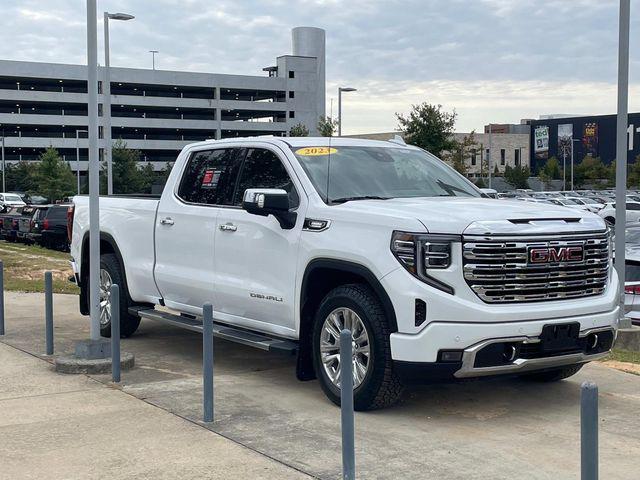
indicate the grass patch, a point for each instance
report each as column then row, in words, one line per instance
column 24, row 267
column 624, row 356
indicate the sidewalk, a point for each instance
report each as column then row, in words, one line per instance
column 71, row 427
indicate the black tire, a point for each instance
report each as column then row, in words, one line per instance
column 554, row 375
column 381, row 387
column 128, row 323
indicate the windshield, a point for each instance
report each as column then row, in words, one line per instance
column 380, row 172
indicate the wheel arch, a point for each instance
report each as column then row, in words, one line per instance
column 320, row 277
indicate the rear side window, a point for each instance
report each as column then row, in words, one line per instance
column 209, row 177
column 57, row 213
column 632, row 272
column 263, row 169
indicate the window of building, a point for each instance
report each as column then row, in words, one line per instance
column 263, row 169
column 503, row 156
column 474, row 155
column 292, row 94
column 486, row 153
column 516, row 156
column 292, row 74
column 210, row 176
column 292, row 114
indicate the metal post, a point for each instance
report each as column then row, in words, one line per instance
column 4, row 183
column 1, row 297
column 207, row 362
column 115, row 333
column 106, row 110
column 346, row 406
column 78, row 159
column 48, row 311
column 572, row 164
column 589, row 431
column 621, row 152
column 94, row 171
column 339, row 112
column 490, row 148
column 564, row 169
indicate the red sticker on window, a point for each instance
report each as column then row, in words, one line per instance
column 208, row 177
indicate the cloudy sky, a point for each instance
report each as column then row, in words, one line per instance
column 490, row 60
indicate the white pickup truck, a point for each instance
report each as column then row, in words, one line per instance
column 294, row 239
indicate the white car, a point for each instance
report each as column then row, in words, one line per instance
column 608, row 212
column 591, row 204
column 293, row 239
column 11, row 200
column 570, row 203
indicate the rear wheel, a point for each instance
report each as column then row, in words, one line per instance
column 110, row 273
column 356, row 308
column 553, row 375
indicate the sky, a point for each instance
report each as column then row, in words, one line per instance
column 489, row 60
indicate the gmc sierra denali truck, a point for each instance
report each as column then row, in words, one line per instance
column 294, row 239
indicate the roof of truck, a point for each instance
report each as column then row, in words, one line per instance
column 311, row 141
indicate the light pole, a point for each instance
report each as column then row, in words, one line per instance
column 4, row 185
column 490, row 152
column 153, row 58
column 573, row 140
column 106, row 90
column 78, row 156
column 340, row 90
column 621, row 151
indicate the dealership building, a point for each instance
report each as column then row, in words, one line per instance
column 158, row 112
column 594, row 135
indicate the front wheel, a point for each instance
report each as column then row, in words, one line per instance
column 356, row 308
column 110, row 273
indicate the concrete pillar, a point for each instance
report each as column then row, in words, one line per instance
column 310, row 42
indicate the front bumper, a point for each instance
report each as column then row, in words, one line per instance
column 410, row 352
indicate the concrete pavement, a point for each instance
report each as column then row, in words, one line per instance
column 71, row 427
column 495, row 429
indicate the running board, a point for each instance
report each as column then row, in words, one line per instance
column 238, row 335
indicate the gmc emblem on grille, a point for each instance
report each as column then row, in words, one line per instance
column 555, row 254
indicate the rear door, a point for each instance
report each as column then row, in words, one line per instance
column 185, row 226
column 256, row 258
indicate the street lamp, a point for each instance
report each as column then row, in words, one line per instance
column 4, row 186
column 106, row 90
column 340, row 90
column 573, row 140
column 78, row 156
column 153, row 58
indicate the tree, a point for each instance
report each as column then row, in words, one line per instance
column 590, row 170
column 517, row 176
column 163, row 175
column 461, row 151
column 551, row 169
column 299, row 130
column 428, row 126
column 128, row 177
column 21, row 177
column 633, row 178
column 53, row 177
column 327, row 126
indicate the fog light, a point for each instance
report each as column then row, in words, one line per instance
column 450, row 355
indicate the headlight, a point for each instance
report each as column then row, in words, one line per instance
column 420, row 253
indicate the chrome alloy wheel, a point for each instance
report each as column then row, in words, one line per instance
column 105, row 297
column 335, row 322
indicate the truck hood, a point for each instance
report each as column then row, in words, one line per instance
column 457, row 215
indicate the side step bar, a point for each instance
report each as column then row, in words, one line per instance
column 233, row 334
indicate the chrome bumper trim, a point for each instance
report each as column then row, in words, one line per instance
column 524, row 364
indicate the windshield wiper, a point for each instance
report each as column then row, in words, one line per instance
column 363, row 197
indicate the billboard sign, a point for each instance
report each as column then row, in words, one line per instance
column 590, row 139
column 541, row 146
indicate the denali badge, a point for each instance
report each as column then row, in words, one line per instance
column 555, row 254
column 265, row 297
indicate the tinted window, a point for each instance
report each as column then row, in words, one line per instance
column 263, row 169
column 209, row 177
column 57, row 213
column 632, row 272
column 633, row 206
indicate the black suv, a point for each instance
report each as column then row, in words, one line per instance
column 50, row 229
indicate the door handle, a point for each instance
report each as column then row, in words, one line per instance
column 228, row 227
column 166, row 221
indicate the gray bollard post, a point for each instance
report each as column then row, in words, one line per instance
column 207, row 361
column 346, row 406
column 589, row 431
column 115, row 333
column 1, row 298
column 48, row 311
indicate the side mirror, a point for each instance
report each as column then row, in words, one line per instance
column 270, row 201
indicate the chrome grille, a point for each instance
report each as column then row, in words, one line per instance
column 498, row 270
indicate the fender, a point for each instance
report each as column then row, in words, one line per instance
column 352, row 272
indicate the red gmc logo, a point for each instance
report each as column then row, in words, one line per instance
column 555, row 254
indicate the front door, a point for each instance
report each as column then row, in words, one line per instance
column 255, row 257
column 185, row 228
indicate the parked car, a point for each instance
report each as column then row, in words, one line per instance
column 570, row 203
column 608, row 212
column 385, row 240
column 590, row 204
column 25, row 223
column 489, row 192
column 9, row 223
column 11, row 200
column 632, row 282
column 53, row 228
column 35, row 232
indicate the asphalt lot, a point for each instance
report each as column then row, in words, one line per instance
column 496, row 429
